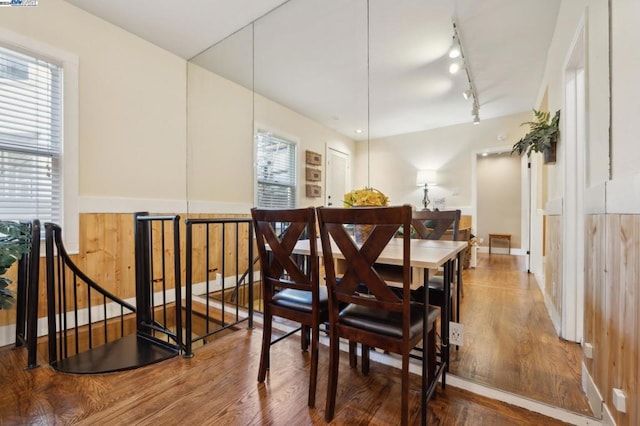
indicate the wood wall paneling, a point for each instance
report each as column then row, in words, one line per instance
column 594, row 284
column 620, row 364
column 553, row 262
column 106, row 255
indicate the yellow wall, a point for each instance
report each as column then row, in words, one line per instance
column 132, row 101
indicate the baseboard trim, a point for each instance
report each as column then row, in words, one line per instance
column 607, row 417
column 522, row 402
column 591, row 390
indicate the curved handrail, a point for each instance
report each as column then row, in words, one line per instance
column 55, row 231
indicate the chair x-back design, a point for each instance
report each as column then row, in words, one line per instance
column 289, row 291
column 432, row 225
column 378, row 317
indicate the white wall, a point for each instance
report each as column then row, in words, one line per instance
column 625, row 90
column 221, row 147
column 593, row 14
column 132, row 100
column 395, row 160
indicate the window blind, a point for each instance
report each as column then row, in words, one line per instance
column 276, row 171
column 30, row 138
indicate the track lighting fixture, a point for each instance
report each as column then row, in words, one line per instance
column 454, row 67
column 454, row 51
column 459, row 63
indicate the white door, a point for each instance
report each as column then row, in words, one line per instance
column 338, row 169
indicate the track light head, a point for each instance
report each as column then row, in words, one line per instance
column 467, row 94
column 454, row 51
column 455, row 66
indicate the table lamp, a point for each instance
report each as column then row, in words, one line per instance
column 425, row 178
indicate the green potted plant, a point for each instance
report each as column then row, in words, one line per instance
column 542, row 137
column 15, row 240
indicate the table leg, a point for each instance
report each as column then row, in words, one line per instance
column 425, row 352
column 445, row 317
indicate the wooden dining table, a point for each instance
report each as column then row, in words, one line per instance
column 425, row 255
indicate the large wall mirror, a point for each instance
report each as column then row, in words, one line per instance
column 235, row 89
column 220, row 116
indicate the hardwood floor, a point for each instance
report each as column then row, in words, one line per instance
column 218, row 386
column 509, row 339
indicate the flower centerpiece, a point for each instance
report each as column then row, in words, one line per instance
column 367, row 197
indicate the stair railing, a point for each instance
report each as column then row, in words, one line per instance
column 76, row 303
column 157, row 238
column 27, row 296
column 222, row 247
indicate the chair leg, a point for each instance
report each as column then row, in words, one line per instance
column 304, row 337
column 313, row 373
column 431, row 354
column 266, row 346
column 353, row 354
column 366, row 350
column 332, row 384
column 404, row 409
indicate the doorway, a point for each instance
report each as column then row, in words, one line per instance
column 497, row 200
column 574, row 212
column 338, row 178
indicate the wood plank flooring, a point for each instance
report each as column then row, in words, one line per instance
column 510, row 342
column 218, row 387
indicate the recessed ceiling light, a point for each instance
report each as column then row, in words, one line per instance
column 484, row 154
column 358, row 131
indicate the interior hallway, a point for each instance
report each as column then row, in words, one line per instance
column 509, row 339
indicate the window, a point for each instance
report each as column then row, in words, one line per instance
column 275, row 171
column 30, row 138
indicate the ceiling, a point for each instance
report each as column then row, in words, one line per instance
column 314, row 56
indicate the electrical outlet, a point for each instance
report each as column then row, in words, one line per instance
column 587, row 350
column 456, row 334
column 619, row 400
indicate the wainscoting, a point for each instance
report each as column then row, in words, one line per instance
column 106, row 254
column 612, row 309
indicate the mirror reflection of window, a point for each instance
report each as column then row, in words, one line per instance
column 276, row 171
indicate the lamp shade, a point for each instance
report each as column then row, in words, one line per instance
column 429, row 177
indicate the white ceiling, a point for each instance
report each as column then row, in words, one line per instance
column 312, row 56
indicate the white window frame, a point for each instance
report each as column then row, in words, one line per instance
column 288, row 139
column 69, row 138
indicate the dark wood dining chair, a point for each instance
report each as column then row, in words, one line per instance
column 376, row 317
column 437, row 225
column 290, row 288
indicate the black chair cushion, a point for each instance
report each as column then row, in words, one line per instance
column 436, row 283
column 386, row 322
column 300, row 300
